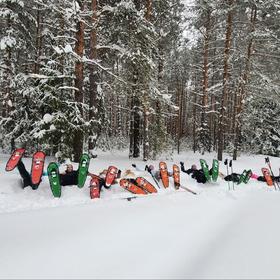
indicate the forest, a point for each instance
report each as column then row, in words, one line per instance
column 149, row 77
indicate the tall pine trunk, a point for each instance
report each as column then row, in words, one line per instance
column 79, row 82
column 224, row 98
column 241, row 92
column 134, row 150
column 146, row 144
column 38, row 41
column 93, row 78
column 204, row 133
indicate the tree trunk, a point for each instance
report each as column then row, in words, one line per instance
column 194, row 123
column 135, row 127
column 7, row 75
column 146, row 144
column 224, row 97
column 38, row 41
column 93, row 78
column 179, row 118
column 241, row 92
column 79, row 79
column 204, row 132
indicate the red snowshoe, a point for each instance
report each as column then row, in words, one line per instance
column 176, row 176
column 164, row 174
column 94, row 187
column 127, row 185
column 146, row 185
column 111, row 175
column 267, row 176
column 14, row 159
column 37, row 167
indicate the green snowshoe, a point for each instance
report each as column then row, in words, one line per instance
column 242, row 177
column 215, row 170
column 53, row 174
column 205, row 169
column 83, row 170
column 248, row 176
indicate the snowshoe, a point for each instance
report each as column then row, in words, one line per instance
column 37, row 168
column 164, row 174
column 205, row 169
column 111, row 176
column 14, row 159
column 248, row 176
column 53, row 174
column 267, row 176
column 127, row 185
column 215, row 170
column 94, row 187
column 83, row 170
column 176, row 176
column 242, row 177
column 144, row 184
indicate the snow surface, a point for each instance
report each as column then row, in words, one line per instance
column 172, row 234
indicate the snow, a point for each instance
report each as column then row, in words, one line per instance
column 173, row 234
column 7, row 42
column 68, row 49
column 47, row 118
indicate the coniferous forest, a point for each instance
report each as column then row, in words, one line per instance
column 145, row 76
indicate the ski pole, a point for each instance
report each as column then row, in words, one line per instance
column 226, row 163
column 154, row 179
column 147, row 169
column 230, row 165
column 188, row 190
column 275, row 183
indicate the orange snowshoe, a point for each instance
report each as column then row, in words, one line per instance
column 164, row 174
column 176, row 176
column 111, row 175
column 127, row 185
column 14, row 159
column 37, row 167
column 94, row 187
column 146, row 185
column 267, row 176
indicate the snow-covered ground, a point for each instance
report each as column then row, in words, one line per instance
column 172, row 234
